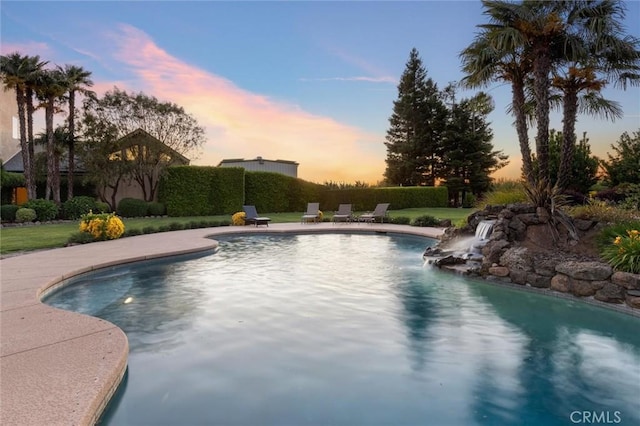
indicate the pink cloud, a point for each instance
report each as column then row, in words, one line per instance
column 29, row 48
column 241, row 124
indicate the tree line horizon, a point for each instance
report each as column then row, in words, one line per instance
column 553, row 54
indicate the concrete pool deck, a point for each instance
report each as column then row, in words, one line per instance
column 61, row 368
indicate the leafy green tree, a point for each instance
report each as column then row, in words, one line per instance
column 584, row 166
column 469, row 158
column 118, row 114
column 624, row 165
column 414, row 138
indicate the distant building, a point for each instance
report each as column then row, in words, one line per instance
column 259, row 164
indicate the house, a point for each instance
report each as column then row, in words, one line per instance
column 9, row 131
column 137, row 146
column 259, row 164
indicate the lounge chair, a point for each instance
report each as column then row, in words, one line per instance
column 312, row 213
column 379, row 212
column 251, row 216
column 344, row 213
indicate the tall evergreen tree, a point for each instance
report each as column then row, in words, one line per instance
column 414, row 138
column 469, row 158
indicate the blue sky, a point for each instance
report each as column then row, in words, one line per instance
column 312, row 82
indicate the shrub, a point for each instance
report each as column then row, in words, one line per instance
column 132, row 207
column 238, row 219
column 102, row 226
column 176, row 226
column 164, row 228
column 102, row 207
column 132, row 232
column 425, row 220
column 611, row 195
column 77, row 206
column 8, row 212
column 155, row 209
column 80, row 238
column 608, row 234
column 24, row 214
column 623, row 253
column 400, row 220
column 149, row 230
column 45, row 209
column 509, row 195
column 601, row 212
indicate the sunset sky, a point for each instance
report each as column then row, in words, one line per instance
column 312, row 82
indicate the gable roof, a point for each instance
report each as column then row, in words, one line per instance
column 138, row 136
column 141, row 137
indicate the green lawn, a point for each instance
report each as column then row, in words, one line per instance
column 28, row 238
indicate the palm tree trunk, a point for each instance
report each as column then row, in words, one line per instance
column 31, row 182
column 570, row 112
column 24, row 148
column 541, row 69
column 50, row 152
column 517, row 90
column 72, row 144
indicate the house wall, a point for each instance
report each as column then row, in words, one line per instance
column 8, row 117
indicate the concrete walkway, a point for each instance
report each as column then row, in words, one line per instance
column 61, row 368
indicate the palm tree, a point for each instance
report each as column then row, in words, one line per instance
column 77, row 80
column 484, row 63
column 17, row 72
column 51, row 86
column 605, row 55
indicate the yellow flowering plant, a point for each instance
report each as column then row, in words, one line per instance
column 102, row 226
column 238, row 219
column 624, row 253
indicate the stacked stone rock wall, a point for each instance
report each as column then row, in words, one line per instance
column 528, row 247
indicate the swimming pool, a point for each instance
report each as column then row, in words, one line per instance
column 347, row 329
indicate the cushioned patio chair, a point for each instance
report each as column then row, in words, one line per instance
column 251, row 216
column 344, row 213
column 312, row 214
column 380, row 212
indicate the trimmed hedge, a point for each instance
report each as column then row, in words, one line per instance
column 202, row 190
column 365, row 199
column 274, row 192
column 132, row 207
column 207, row 191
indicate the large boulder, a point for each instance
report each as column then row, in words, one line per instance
column 610, row 293
column 626, row 280
column 589, row 271
column 539, row 281
column 517, row 258
column 493, row 250
column 584, row 288
column 561, row 283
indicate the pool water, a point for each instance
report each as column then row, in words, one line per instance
column 349, row 329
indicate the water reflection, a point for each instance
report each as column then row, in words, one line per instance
column 351, row 329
